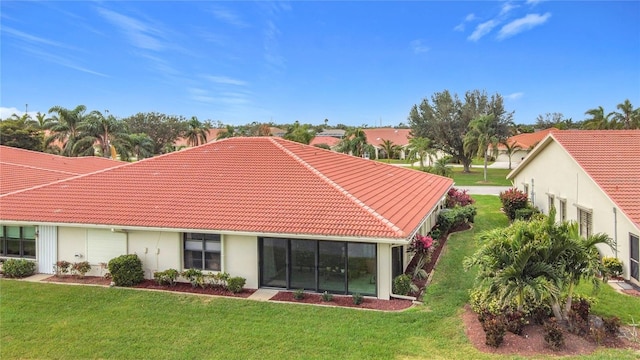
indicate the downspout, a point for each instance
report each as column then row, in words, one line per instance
column 615, row 232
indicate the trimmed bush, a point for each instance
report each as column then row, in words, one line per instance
column 456, row 197
column 612, row 267
column 167, row 277
column 357, row 299
column 126, row 270
column 18, row 268
column 81, row 268
column 402, row 284
column 236, row 284
column 194, row 276
column 512, row 200
column 526, row 213
column 61, row 267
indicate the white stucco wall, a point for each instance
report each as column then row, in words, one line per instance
column 158, row 250
column 240, row 258
column 554, row 172
column 384, row 271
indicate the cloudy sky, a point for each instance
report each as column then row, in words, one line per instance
column 359, row 62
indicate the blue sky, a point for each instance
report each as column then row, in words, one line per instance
column 355, row 63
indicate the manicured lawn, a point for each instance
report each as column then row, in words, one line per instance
column 495, row 177
column 65, row 321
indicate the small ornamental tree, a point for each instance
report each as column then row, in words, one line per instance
column 512, row 200
column 457, row 197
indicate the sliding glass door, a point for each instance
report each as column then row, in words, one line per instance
column 303, row 265
column 273, row 253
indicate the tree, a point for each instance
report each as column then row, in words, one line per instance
column 299, row 133
column 354, row 142
column 628, row 118
column 420, row 149
column 390, row 149
column 142, row 146
column 445, row 120
column 197, row 132
column 484, row 132
column 510, row 148
column 230, row 131
column 107, row 132
column 599, row 120
column 18, row 133
column 65, row 127
column 554, row 120
column 163, row 129
column 441, row 167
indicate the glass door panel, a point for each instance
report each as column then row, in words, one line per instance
column 362, row 268
column 303, row 264
column 331, row 266
column 273, row 271
column 634, row 259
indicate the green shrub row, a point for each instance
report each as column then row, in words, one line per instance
column 451, row 218
column 199, row 279
column 18, row 268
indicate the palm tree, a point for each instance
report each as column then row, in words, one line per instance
column 511, row 148
column 354, row 142
column 598, row 120
column 390, row 149
column 420, row 149
column 197, row 132
column 108, row 133
column 142, row 145
column 627, row 117
column 65, row 127
column 482, row 134
column 230, row 131
column 441, row 167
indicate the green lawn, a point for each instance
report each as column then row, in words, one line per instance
column 495, row 177
column 72, row 322
column 393, row 161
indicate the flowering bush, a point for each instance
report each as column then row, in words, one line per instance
column 421, row 244
column 512, row 200
column 456, row 197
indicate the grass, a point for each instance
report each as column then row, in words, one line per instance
column 65, row 321
column 393, row 161
column 495, row 177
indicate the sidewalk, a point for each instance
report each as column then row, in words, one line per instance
column 484, row 190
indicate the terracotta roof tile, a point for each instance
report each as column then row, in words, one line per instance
column 397, row 136
column 237, row 184
column 528, row 140
column 612, row 159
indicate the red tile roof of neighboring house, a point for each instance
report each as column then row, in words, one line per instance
column 23, row 169
column 237, row 184
column 329, row 140
column 397, row 136
column 611, row 158
column 528, row 140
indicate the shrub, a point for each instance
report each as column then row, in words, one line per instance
column 553, row 334
column 611, row 326
column 236, row 284
column 402, row 284
column 18, row 268
column 526, row 213
column 357, row 298
column 298, row 294
column 167, row 277
column 515, row 321
column 540, row 315
column 61, row 267
column 194, row 276
column 612, row 267
column 456, row 197
column 581, row 306
column 494, row 330
column 81, row 268
column 421, row 244
column 219, row 279
column 435, row 233
column 326, row 296
column 512, row 200
column 126, row 270
column 576, row 324
column 418, row 271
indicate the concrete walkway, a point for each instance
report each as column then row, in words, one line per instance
column 263, row 294
column 484, row 190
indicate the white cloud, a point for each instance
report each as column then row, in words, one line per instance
column 519, row 25
column 418, row 47
column 229, row 17
column 140, row 35
column 514, row 96
column 6, row 112
column 507, row 7
column 482, row 30
column 60, row 60
column 470, row 17
column 31, row 38
column 225, row 80
column 534, row 2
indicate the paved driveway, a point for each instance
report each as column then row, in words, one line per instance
column 484, row 190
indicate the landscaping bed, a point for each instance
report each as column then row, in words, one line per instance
column 345, row 301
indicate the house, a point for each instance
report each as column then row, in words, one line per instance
column 525, row 143
column 278, row 213
column 591, row 177
column 330, row 141
column 399, row 137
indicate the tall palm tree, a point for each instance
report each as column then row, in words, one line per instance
column 420, row 149
column 390, row 149
column 197, row 132
column 482, row 133
column 510, row 148
column 142, row 146
column 65, row 127
column 354, row 142
column 628, row 118
column 107, row 132
column 599, row 120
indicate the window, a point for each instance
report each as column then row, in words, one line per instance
column 562, row 211
column 202, row 251
column 551, row 203
column 586, row 222
column 18, row 241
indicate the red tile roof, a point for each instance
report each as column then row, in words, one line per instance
column 329, row 140
column 237, row 184
column 528, row 140
column 23, row 169
column 612, row 159
column 397, row 136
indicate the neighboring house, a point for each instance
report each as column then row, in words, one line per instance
column 336, row 133
column 526, row 142
column 278, row 213
column 398, row 137
column 592, row 177
column 332, row 142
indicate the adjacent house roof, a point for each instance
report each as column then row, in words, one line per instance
column 610, row 157
column 23, row 169
column 331, row 141
column 245, row 184
column 339, row 133
column 527, row 141
column 375, row 137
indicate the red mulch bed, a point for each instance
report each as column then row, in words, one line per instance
column 532, row 341
column 152, row 285
column 345, row 301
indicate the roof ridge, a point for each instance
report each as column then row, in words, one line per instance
column 342, row 190
column 38, row 168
